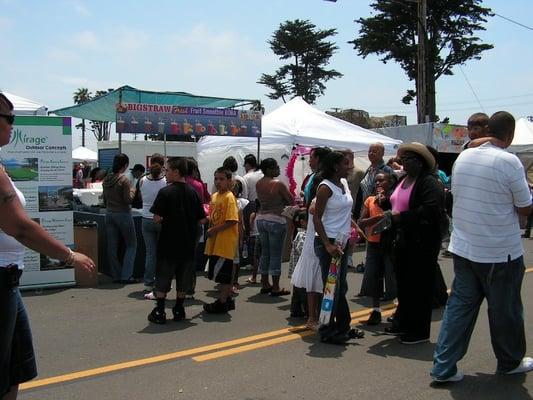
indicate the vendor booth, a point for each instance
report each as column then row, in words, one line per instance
column 81, row 154
column 159, row 114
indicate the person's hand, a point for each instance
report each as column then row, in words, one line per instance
column 395, row 215
column 82, row 261
column 334, row 250
column 211, row 231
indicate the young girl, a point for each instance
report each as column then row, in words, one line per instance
column 255, row 245
column 299, row 294
column 237, row 191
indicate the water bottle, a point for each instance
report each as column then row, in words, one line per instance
column 244, row 250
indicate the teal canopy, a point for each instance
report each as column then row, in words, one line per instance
column 103, row 108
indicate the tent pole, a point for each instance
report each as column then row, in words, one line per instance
column 259, row 149
column 120, row 142
column 165, row 145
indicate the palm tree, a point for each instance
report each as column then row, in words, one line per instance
column 82, row 95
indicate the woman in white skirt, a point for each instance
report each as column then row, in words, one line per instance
column 307, row 273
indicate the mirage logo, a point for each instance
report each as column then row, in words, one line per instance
column 22, row 138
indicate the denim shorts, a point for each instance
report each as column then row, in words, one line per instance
column 17, row 358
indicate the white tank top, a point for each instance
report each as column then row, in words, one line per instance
column 337, row 216
column 12, row 251
column 149, row 190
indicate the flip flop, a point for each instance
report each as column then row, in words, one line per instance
column 282, row 292
column 252, row 281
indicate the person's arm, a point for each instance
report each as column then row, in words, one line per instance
column 482, row 140
column 128, row 193
column 221, row 227
column 322, row 196
column 283, row 190
column 15, row 222
column 365, row 220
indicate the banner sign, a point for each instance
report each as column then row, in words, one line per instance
column 38, row 159
column 187, row 121
column 449, row 138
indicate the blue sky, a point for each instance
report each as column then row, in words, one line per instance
column 218, row 48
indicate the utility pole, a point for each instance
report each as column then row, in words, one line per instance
column 421, row 94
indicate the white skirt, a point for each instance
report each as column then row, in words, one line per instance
column 307, row 273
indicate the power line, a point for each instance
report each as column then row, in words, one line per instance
column 514, row 22
column 471, row 88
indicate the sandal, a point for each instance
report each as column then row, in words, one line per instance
column 251, row 281
column 312, row 326
column 281, row 292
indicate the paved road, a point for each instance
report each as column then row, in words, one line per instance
column 97, row 344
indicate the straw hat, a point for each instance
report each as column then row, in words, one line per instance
column 421, row 150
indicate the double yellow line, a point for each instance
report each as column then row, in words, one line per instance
column 213, row 351
column 206, row 353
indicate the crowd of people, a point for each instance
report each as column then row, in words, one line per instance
column 401, row 210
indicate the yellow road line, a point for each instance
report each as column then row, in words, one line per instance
column 169, row 356
column 270, row 342
column 155, row 359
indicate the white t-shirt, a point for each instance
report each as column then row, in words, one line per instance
column 337, row 217
column 487, row 184
column 149, row 189
column 12, row 251
column 251, row 179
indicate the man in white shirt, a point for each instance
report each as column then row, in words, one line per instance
column 490, row 190
column 252, row 176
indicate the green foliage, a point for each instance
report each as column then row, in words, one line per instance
column 309, row 51
column 391, row 33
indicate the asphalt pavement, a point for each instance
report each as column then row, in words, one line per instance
column 97, row 344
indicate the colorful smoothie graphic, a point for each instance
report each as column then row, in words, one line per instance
column 175, row 128
column 221, row 128
column 120, row 124
column 199, row 129
column 233, row 129
column 161, row 127
column 147, row 125
column 134, row 124
column 187, row 128
column 211, row 130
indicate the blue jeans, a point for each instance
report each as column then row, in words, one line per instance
column 272, row 236
column 500, row 284
column 17, row 360
column 340, row 314
column 151, row 232
column 120, row 225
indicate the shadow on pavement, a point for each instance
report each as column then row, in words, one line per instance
column 391, row 347
column 265, row 299
column 325, row 350
column 170, row 326
column 487, row 386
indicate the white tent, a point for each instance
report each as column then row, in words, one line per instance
column 522, row 144
column 23, row 106
column 294, row 123
column 80, row 154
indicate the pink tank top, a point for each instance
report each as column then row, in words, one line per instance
column 400, row 198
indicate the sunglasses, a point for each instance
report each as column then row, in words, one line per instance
column 9, row 118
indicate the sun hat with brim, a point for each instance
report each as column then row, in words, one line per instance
column 421, row 150
column 6, row 107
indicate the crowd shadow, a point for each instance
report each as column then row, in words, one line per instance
column 486, row 386
column 27, row 292
column 266, row 299
column 170, row 326
column 391, row 347
column 318, row 349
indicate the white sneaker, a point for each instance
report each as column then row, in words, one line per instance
column 526, row 365
column 454, row 378
column 150, row 296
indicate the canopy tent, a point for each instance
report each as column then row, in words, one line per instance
column 23, row 106
column 103, row 108
column 522, row 144
column 80, row 154
column 294, row 123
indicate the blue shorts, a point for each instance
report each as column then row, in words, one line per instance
column 17, row 359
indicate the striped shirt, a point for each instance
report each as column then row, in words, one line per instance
column 487, row 184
